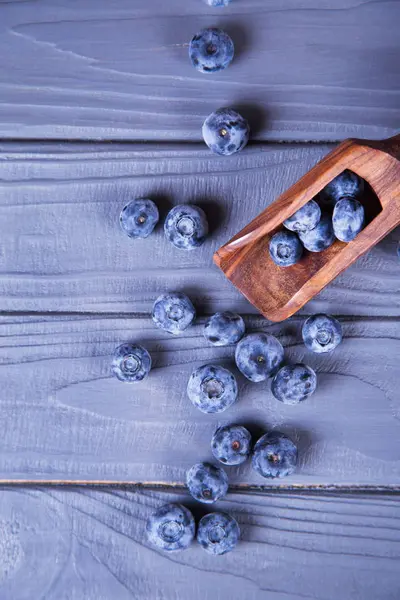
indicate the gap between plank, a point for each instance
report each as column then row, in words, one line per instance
column 145, row 315
column 242, row 488
column 162, row 143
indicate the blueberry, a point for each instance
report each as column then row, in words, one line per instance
column 218, row 2
column 275, row 455
column 211, row 50
column 224, row 328
column 258, row 356
column 186, row 226
column 285, row 248
column 321, row 333
column 231, row 444
column 218, row 533
column 225, row 131
column 207, row 483
column 348, row 219
column 398, row 249
column 344, row 185
column 319, row 238
column 173, row 312
column 131, row 363
column 304, row 219
column 212, row 389
column 171, row 527
column 294, row 383
column 139, row 217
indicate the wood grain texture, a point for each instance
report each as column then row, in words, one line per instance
column 63, row 416
column 62, row 249
column 119, row 70
column 69, row 544
column 279, row 293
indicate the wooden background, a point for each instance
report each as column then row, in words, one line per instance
column 99, row 104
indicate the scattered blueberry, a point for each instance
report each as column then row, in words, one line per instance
column 348, row 219
column 173, row 312
column 275, row 455
column 131, row 363
column 231, row 444
column 139, row 217
column 212, row 389
column 218, row 2
column 344, row 185
column 258, row 356
column 321, row 333
column 186, row 226
column 218, row 533
column 294, row 383
column 207, row 483
column 225, row 131
column 304, row 219
column 285, row 248
column 171, row 527
column 319, row 238
column 224, row 328
column 211, row 50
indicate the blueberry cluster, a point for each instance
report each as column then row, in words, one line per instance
column 213, row 389
column 336, row 213
column 172, row 527
column 186, row 225
column 211, row 50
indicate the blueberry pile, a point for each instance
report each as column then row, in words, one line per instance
column 186, row 225
column 213, row 389
column 336, row 213
column 172, row 527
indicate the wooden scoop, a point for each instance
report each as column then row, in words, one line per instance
column 279, row 292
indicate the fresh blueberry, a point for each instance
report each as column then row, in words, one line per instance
column 224, row 328
column 275, row 455
column 348, row 219
column 139, row 217
column 294, row 383
column 321, row 333
column 319, row 238
column 218, row 2
column 398, row 249
column 218, row 533
column 285, row 248
column 225, row 131
column 186, row 226
column 344, row 185
column 304, row 219
column 212, row 389
column 211, row 50
column 171, row 527
column 231, row 444
column 207, row 483
column 173, row 312
column 258, row 356
column 131, row 363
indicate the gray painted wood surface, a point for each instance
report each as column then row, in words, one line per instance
column 74, row 544
column 65, row 417
column 304, row 69
column 62, row 249
column 119, row 71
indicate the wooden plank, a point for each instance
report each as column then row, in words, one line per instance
column 65, row 417
column 69, row 544
column 119, row 70
column 62, row 249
